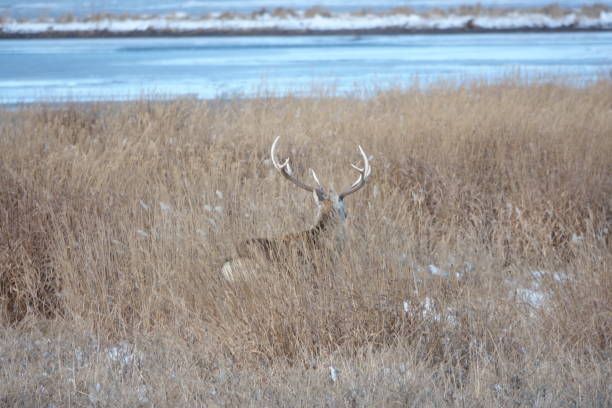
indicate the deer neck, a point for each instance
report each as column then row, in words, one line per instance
column 327, row 221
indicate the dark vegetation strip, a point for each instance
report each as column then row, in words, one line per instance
column 281, row 32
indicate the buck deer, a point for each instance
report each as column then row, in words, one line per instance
column 330, row 221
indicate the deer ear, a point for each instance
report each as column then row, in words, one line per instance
column 316, row 196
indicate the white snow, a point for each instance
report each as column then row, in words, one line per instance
column 576, row 239
column 142, row 394
column 333, row 373
column 118, row 243
column 429, row 310
column 434, row 270
column 122, row 354
column 94, row 394
column 538, row 276
column 428, row 306
column 560, row 277
column 336, row 21
column 534, row 295
column 533, row 298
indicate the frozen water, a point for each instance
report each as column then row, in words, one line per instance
column 208, row 67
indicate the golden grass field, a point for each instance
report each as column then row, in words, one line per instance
column 476, row 270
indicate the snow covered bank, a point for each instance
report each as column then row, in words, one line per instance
column 315, row 21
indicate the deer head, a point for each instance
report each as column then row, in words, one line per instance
column 329, row 202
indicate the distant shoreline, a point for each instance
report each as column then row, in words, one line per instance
column 152, row 33
column 314, row 21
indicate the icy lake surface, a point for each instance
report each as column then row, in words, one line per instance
column 207, row 67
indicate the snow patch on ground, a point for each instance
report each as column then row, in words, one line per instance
column 434, row 270
column 428, row 310
column 535, row 296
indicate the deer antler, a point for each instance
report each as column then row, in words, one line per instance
column 285, row 170
column 363, row 176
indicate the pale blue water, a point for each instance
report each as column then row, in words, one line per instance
column 97, row 69
column 36, row 8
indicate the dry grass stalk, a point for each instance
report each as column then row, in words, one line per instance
column 476, row 269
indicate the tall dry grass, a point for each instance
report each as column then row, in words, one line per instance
column 476, row 269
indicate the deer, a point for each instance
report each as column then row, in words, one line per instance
column 330, row 223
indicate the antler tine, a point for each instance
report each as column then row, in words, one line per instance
column 363, row 176
column 314, row 176
column 285, row 170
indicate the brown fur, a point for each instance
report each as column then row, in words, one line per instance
column 273, row 249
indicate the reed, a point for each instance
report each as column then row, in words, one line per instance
column 476, row 269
